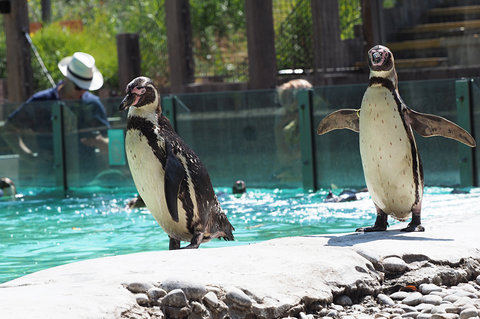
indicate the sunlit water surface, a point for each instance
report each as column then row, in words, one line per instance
column 45, row 228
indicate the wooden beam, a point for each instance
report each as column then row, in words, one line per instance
column 19, row 67
column 326, row 34
column 373, row 30
column 262, row 66
column 179, row 43
column 128, row 51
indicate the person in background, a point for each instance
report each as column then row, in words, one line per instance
column 28, row 129
column 287, row 133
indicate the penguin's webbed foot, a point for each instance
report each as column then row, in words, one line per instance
column 413, row 228
column 174, row 244
column 196, row 241
column 371, row 229
column 381, row 223
column 415, row 225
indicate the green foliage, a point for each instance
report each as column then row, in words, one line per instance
column 293, row 41
column 350, row 12
column 220, row 44
column 54, row 42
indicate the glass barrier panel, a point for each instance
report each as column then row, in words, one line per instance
column 86, row 129
column 338, row 162
column 439, row 155
column 27, row 144
column 476, row 124
column 243, row 135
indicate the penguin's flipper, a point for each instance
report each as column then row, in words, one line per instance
column 341, row 119
column 174, row 174
column 429, row 125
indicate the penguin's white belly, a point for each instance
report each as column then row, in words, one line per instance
column 386, row 154
column 148, row 175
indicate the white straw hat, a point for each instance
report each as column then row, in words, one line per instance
column 80, row 68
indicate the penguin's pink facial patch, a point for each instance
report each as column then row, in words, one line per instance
column 377, row 57
column 138, row 91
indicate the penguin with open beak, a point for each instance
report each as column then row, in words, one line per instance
column 169, row 176
column 391, row 162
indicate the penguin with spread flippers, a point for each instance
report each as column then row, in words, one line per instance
column 391, row 162
column 170, row 178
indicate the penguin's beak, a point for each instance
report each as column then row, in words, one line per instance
column 127, row 101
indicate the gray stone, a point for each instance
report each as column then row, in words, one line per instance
column 444, row 316
column 198, row 308
column 427, row 289
column 238, row 297
column 176, row 313
column 139, row 287
column 142, row 299
column 462, row 301
column 478, row 279
column 156, row 293
column 399, row 295
column 432, row 299
column 423, row 307
column 406, row 308
column 469, row 313
column 343, row 300
column 211, row 299
column 337, row 307
column 467, row 287
column 193, row 290
column 452, row 309
column 451, row 298
column 413, row 299
column 413, row 314
column 394, row 265
column 385, row 300
column 424, row 316
column 332, row 313
column 175, row 298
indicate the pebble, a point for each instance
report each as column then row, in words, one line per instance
column 211, row 299
column 192, row 290
column 427, row 289
column 478, row 279
column 385, row 300
column 394, row 265
column 413, row 299
column 238, row 297
column 139, row 287
column 399, row 295
column 142, row 299
column 431, row 299
column 469, row 313
column 175, row 298
column 156, row 293
column 343, row 300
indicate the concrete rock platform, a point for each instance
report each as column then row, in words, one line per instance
column 276, row 275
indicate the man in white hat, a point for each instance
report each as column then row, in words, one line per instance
column 34, row 117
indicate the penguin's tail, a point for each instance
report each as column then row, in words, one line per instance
column 225, row 227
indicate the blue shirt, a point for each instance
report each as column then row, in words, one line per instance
column 85, row 118
column 37, row 116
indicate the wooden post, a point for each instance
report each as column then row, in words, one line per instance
column 373, row 30
column 19, row 67
column 326, row 35
column 262, row 66
column 128, row 50
column 179, row 42
column 46, row 11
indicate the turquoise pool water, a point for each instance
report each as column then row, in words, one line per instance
column 45, row 228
